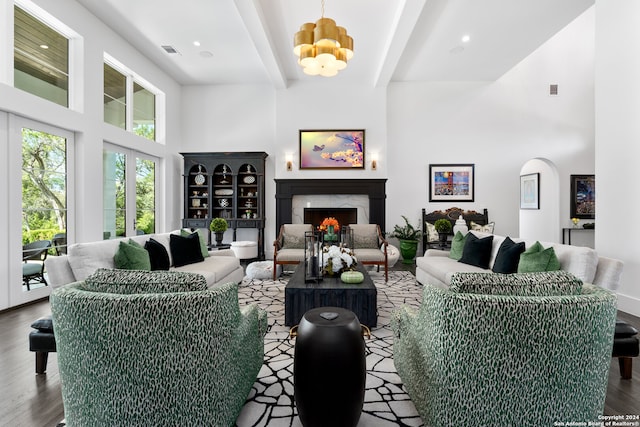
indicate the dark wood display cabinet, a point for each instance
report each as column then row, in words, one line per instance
column 225, row 185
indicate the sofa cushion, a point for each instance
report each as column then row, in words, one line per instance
column 487, row 228
column 136, row 282
column 158, row 255
column 477, row 251
column 293, row 235
column 185, row 250
column 203, row 244
column 518, row 284
column 457, row 245
column 365, row 236
column 536, row 258
column 369, row 255
column 85, row 258
column 508, row 256
column 131, row 256
column 432, row 234
column 440, row 267
column 213, row 268
column 579, row 260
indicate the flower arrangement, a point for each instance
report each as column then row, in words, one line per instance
column 335, row 260
column 324, row 225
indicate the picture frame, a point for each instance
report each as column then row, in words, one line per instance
column 451, row 182
column 583, row 196
column 332, row 149
column 530, row 191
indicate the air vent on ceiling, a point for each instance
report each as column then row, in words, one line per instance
column 553, row 89
column 169, row 49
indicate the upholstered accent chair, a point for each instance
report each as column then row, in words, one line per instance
column 531, row 348
column 288, row 248
column 155, row 348
column 369, row 246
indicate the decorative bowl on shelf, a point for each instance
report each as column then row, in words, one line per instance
column 249, row 179
column 224, row 192
column 223, row 203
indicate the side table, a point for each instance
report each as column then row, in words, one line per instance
column 329, row 368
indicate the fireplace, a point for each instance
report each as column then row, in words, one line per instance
column 374, row 189
column 344, row 216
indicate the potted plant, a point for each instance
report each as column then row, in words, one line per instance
column 218, row 226
column 443, row 227
column 408, row 236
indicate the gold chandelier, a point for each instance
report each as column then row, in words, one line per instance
column 322, row 48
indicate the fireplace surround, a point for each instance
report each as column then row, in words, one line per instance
column 287, row 188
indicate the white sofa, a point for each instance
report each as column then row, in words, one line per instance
column 83, row 259
column 436, row 268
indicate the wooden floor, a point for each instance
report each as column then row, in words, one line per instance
column 35, row 400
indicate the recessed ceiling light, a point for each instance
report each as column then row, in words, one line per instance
column 466, row 38
column 206, row 54
column 44, row 46
column 196, row 43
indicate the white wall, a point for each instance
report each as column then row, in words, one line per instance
column 542, row 224
column 498, row 126
column 617, row 124
column 86, row 122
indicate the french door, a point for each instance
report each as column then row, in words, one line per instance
column 40, row 203
column 130, row 181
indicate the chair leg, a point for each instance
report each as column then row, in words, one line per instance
column 625, row 363
column 275, row 268
column 41, row 361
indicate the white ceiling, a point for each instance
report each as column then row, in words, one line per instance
column 250, row 41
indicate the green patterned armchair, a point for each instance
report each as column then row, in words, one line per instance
column 155, row 348
column 505, row 350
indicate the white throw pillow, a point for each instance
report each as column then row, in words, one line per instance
column 483, row 228
column 432, row 234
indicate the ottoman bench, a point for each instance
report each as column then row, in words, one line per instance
column 42, row 342
column 625, row 347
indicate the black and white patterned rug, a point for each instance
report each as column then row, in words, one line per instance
column 271, row 402
column 386, row 403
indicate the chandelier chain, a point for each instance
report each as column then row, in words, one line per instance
column 322, row 4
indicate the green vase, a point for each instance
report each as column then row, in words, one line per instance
column 408, row 249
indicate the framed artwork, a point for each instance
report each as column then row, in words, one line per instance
column 530, row 191
column 332, row 149
column 583, row 196
column 451, row 183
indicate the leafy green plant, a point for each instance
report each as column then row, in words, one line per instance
column 218, row 225
column 405, row 232
column 442, row 225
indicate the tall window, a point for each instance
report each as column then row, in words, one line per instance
column 128, row 104
column 115, row 97
column 41, row 59
column 129, row 194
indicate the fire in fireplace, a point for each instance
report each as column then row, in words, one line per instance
column 345, row 216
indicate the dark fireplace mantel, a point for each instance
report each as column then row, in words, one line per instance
column 287, row 188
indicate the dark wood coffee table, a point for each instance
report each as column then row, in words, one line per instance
column 299, row 297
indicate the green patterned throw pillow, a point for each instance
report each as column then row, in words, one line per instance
column 537, row 258
column 132, row 256
column 457, row 246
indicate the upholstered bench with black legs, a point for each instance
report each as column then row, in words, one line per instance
column 42, row 342
column 625, row 347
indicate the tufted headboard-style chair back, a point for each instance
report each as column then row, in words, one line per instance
column 521, row 349
column 155, row 348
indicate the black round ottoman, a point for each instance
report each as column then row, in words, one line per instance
column 329, row 368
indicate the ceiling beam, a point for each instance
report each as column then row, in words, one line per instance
column 403, row 25
column 253, row 18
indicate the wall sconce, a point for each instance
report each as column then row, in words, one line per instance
column 289, row 159
column 374, row 161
